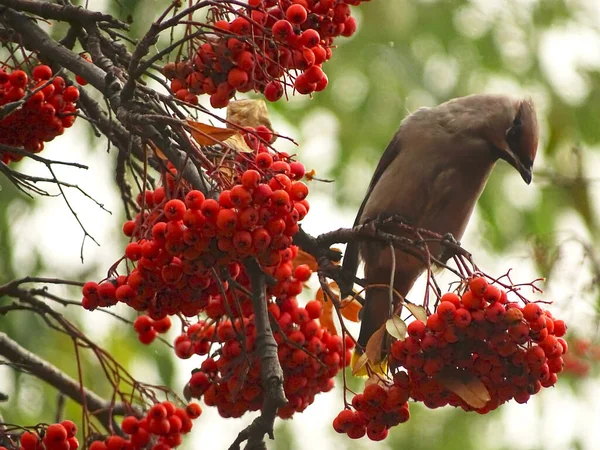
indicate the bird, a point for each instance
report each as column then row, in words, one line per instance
column 431, row 175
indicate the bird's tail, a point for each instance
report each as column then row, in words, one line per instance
column 376, row 311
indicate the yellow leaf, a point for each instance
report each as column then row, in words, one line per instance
column 363, row 369
column 237, row 143
column 374, row 346
column 305, row 258
column 418, row 311
column 359, row 363
column 249, row 113
column 208, row 135
column 466, row 385
column 396, row 327
column 350, row 308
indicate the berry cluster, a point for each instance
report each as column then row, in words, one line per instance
column 58, row 436
column 229, row 378
column 147, row 328
column 187, row 249
column 42, row 116
column 162, row 427
column 376, row 410
column 265, row 41
column 513, row 349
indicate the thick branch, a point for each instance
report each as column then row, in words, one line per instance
column 270, row 369
column 43, row 370
column 37, row 40
column 67, row 13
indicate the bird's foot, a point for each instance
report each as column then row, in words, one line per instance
column 450, row 246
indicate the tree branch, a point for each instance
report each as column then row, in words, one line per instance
column 270, row 370
column 66, row 13
column 43, row 370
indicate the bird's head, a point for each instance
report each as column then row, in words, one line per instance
column 507, row 125
column 518, row 146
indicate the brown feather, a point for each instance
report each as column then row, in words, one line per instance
column 432, row 174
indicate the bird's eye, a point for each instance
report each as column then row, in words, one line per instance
column 517, row 122
column 513, row 131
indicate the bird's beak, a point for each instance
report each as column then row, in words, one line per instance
column 525, row 172
column 505, row 153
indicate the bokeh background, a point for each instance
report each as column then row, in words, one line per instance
column 405, row 55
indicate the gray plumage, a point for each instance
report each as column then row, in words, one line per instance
column 432, row 174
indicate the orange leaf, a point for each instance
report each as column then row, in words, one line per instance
column 374, row 346
column 350, row 308
column 305, row 258
column 466, row 385
column 310, row 175
column 208, row 135
column 326, row 318
column 157, row 151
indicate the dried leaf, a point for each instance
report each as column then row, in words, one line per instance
column 374, row 346
column 157, row 151
column 418, row 311
column 396, row 327
column 359, row 364
column 249, row 113
column 326, row 318
column 466, row 385
column 305, row 258
column 310, row 175
column 237, row 143
column 350, row 308
column 208, row 135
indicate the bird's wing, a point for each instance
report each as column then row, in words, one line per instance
column 350, row 264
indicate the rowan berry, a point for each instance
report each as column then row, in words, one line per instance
column 42, row 72
column 532, row 312
column 55, row 434
column 296, row 14
column 130, row 425
column 174, row 210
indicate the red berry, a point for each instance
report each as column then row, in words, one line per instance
column 42, row 72
column 157, row 412
column 194, row 199
column 29, row 441
column 130, row 425
column 478, row 286
column 296, row 14
column 560, row 328
column 302, row 273
column 532, row 312
column 163, row 325
column 147, row 337
column 55, row 434
column 143, row 324
column 250, row 179
column 193, row 410
column 273, row 91
column 97, row 445
column 70, row 427
column 174, row 210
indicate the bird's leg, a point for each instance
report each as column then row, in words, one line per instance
column 450, row 246
column 400, row 219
